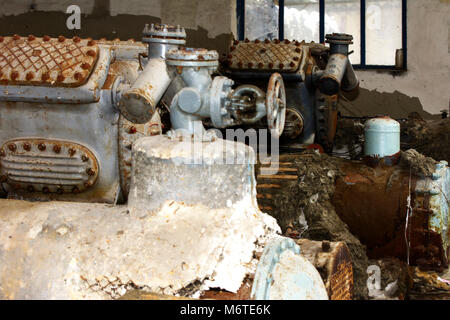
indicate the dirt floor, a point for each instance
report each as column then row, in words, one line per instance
column 303, row 207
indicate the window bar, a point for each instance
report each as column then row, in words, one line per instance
column 363, row 32
column 322, row 20
column 404, row 33
column 281, row 20
column 240, row 16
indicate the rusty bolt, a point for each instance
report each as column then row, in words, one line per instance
column 45, row 76
column 12, row 147
column 84, row 158
column 45, row 190
column 85, row 66
column 260, row 65
column 61, row 38
column 27, row 146
column 14, row 75
column 91, row 43
column 90, row 172
column 2, row 39
column 31, row 37
column 60, row 78
column 56, row 148
column 76, row 39
column 16, row 37
column 46, row 38
column 30, row 189
column 75, row 190
column 2, row 153
column 276, row 41
column 42, row 146
column 287, row 41
column 132, row 130
column 78, row 76
column 297, row 43
column 246, row 40
column 292, row 64
column 281, row 65
column 91, row 53
column 250, row 65
column 232, row 48
column 29, row 76
column 71, row 152
column 60, row 190
column 3, row 178
column 36, row 53
column 236, row 42
column 298, row 50
column 257, row 41
column 296, row 58
column 267, row 41
column 263, row 50
column 271, row 65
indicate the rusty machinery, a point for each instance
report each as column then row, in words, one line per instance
column 314, row 75
column 72, row 108
column 394, row 210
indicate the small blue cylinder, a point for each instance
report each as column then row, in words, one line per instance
column 382, row 137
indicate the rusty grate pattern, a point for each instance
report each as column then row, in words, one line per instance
column 342, row 282
column 47, row 61
column 267, row 55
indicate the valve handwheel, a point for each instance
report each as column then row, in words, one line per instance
column 276, row 105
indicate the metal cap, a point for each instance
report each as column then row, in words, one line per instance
column 191, row 57
column 163, row 33
column 339, row 38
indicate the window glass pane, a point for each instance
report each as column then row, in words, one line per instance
column 301, row 20
column 261, row 19
column 383, row 31
column 344, row 16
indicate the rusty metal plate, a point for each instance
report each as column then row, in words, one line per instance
column 341, row 282
column 48, row 166
column 58, row 62
column 283, row 56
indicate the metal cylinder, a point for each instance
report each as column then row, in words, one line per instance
column 138, row 104
column 161, row 38
column 339, row 72
column 382, row 137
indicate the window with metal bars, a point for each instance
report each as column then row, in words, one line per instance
column 378, row 26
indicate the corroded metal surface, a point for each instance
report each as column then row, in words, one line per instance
column 48, row 166
column 268, row 55
column 46, row 61
column 333, row 261
column 374, row 204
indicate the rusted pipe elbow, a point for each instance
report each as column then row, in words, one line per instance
column 138, row 104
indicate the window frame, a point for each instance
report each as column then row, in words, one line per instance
column 240, row 15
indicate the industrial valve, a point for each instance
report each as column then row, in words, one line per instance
column 214, row 100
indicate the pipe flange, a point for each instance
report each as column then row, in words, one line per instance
column 220, row 90
column 191, row 57
column 339, row 38
column 163, row 33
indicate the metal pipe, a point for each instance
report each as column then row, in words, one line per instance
column 139, row 103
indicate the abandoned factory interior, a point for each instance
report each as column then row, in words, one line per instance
column 224, row 150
